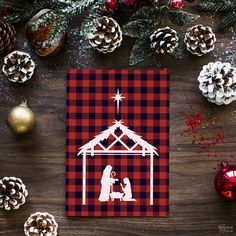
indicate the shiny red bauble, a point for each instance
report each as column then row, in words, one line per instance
column 112, row 5
column 225, row 181
column 176, row 4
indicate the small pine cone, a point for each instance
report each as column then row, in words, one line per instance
column 7, row 38
column 218, row 82
column 41, row 224
column 106, row 36
column 200, row 40
column 13, row 193
column 18, row 66
column 164, row 40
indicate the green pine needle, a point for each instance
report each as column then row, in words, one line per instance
column 141, row 50
column 24, row 10
column 228, row 7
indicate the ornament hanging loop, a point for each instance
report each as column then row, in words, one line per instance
column 24, row 103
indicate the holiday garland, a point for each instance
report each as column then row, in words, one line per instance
column 227, row 7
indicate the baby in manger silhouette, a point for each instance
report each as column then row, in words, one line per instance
column 108, row 181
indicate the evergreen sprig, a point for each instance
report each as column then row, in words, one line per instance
column 227, row 7
column 144, row 22
column 93, row 12
column 61, row 14
column 23, row 10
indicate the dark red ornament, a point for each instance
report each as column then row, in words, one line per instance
column 110, row 7
column 225, row 181
column 5, row 11
column 132, row 3
column 177, row 4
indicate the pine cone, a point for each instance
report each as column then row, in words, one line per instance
column 164, row 40
column 18, row 67
column 40, row 224
column 200, row 40
column 7, row 38
column 12, row 193
column 106, row 36
column 218, row 82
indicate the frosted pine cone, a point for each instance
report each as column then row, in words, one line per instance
column 13, row 193
column 218, row 82
column 41, row 224
column 18, row 66
column 164, row 40
column 200, row 40
column 106, row 36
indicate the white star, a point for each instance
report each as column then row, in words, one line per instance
column 118, row 99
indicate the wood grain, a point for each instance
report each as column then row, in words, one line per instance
column 39, row 157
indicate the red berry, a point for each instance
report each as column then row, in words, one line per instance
column 112, row 5
column 177, row 4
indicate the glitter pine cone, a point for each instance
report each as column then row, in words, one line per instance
column 13, row 193
column 164, row 40
column 200, row 40
column 106, row 36
column 41, row 224
column 218, row 82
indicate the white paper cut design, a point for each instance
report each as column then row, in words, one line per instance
column 95, row 147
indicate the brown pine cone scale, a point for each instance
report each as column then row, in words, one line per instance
column 7, row 38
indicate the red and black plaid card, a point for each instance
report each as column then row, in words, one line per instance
column 117, row 143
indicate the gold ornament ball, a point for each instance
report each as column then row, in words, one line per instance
column 21, row 119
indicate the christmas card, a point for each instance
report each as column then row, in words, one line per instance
column 117, row 143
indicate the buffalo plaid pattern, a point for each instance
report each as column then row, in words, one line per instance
column 91, row 110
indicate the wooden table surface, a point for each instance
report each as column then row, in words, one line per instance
column 39, row 157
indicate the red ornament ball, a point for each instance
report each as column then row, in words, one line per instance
column 112, row 5
column 225, row 181
column 177, row 4
column 5, row 11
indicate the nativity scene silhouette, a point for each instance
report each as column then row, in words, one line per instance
column 107, row 187
column 111, row 187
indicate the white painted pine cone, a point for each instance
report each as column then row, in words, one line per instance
column 200, row 40
column 41, row 224
column 106, row 36
column 18, row 67
column 164, row 40
column 13, row 193
column 217, row 82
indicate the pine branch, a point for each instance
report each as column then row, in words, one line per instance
column 137, row 28
column 93, row 12
column 66, row 11
column 147, row 12
column 24, row 10
column 212, row 6
column 228, row 20
column 226, row 6
column 181, row 18
column 141, row 50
